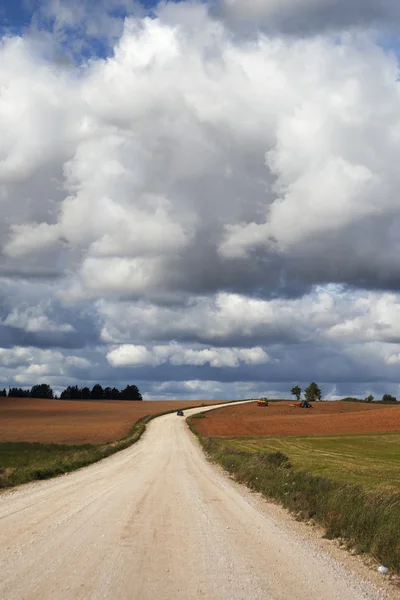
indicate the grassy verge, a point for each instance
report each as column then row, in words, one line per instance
column 21, row 462
column 371, row 461
column 366, row 516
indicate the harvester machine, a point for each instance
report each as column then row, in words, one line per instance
column 262, row 402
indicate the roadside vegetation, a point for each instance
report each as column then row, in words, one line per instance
column 21, row 462
column 348, row 484
column 371, row 461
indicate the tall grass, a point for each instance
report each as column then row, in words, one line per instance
column 368, row 521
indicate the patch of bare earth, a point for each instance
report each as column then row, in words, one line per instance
column 76, row 422
column 325, row 418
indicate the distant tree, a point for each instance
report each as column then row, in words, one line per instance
column 388, row 398
column 85, row 393
column 369, row 398
column 97, row 392
column 18, row 393
column 296, row 391
column 3, row 394
column 312, row 392
column 131, row 392
column 66, row 394
column 71, row 393
column 115, row 394
column 43, row 390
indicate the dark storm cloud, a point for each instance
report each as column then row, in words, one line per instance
column 308, row 17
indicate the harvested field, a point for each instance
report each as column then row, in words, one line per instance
column 325, row 418
column 76, row 422
column 370, row 460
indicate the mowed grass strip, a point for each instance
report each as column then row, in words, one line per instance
column 371, row 461
column 348, row 484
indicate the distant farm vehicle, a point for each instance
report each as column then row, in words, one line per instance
column 262, row 402
column 180, row 413
column 303, row 404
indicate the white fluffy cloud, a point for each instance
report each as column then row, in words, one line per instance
column 235, row 193
column 329, row 314
column 131, row 355
column 33, row 320
column 154, row 149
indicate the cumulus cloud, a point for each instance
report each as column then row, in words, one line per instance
column 235, row 193
column 188, row 148
column 131, row 355
column 33, row 321
column 328, row 314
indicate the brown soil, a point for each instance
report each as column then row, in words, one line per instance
column 76, row 422
column 325, row 418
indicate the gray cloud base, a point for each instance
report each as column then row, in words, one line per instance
column 309, row 17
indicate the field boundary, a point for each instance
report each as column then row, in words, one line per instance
column 83, row 455
column 368, row 523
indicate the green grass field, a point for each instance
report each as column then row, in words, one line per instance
column 369, row 461
column 350, row 484
column 21, row 462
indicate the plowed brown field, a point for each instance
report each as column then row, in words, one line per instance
column 76, row 422
column 325, row 418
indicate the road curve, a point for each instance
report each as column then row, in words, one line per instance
column 157, row 522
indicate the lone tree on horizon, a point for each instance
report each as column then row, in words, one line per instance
column 312, row 392
column 296, row 391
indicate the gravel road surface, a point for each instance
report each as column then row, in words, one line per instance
column 157, row 522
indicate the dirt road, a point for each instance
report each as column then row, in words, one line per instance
column 157, row 522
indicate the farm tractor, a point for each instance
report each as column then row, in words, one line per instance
column 262, row 402
column 302, row 404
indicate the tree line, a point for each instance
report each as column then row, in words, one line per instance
column 97, row 392
column 312, row 393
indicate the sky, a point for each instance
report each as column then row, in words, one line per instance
column 200, row 198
